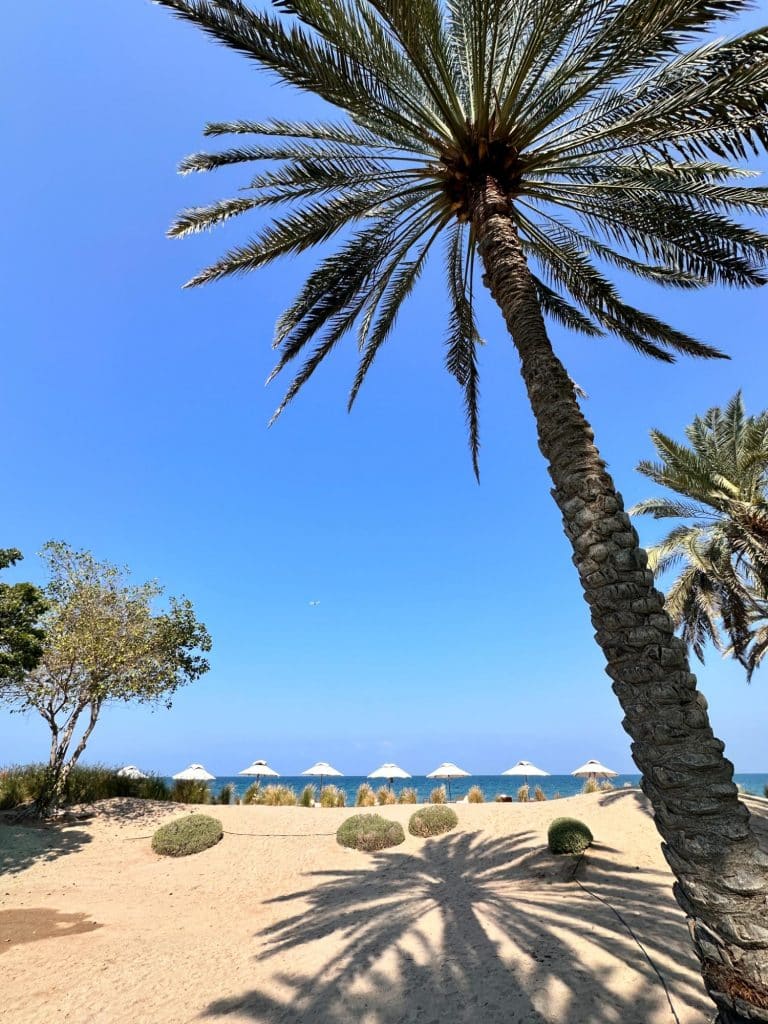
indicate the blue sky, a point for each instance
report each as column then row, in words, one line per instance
column 450, row 623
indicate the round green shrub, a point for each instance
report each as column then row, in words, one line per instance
column 184, row 836
column 370, row 832
column 568, row 835
column 432, row 821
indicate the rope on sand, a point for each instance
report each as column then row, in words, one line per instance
column 628, row 926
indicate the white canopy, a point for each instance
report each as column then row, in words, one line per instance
column 194, row 773
column 524, row 768
column 593, row 767
column 321, row 768
column 259, row 768
column 448, row 770
column 130, row 771
column 389, row 771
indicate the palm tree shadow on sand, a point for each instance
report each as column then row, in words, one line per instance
column 476, row 930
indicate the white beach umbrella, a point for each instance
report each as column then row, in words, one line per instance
column 322, row 768
column 389, row 772
column 592, row 768
column 194, row 773
column 448, row 770
column 524, row 768
column 130, row 771
column 259, row 768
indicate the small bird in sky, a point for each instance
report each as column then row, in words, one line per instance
column 313, row 604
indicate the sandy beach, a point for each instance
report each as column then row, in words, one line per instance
column 278, row 924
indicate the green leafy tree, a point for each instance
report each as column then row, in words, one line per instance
column 21, row 606
column 545, row 141
column 719, row 552
column 104, row 642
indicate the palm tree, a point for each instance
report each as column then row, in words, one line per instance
column 544, row 139
column 722, row 547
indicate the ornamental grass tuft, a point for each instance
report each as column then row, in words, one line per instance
column 252, row 793
column 438, row 795
column 332, row 796
column 191, row 791
column 539, row 794
column 186, row 836
column 365, row 796
column 369, row 832
column 307, row 798
column 408, row 796
column 524, row 794
column 277, row 796
column 475, row 795
column 226, row 794
column 568, row 835
column 385, row 796
column 432, row 821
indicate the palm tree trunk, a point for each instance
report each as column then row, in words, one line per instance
column 722, row 876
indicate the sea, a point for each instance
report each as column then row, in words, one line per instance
column 492, row 785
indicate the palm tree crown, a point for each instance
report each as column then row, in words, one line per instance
column 721, row 549
column 611, row 128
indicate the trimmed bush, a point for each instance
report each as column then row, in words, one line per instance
column 524, row 794
column 307, row 798
column 369, row 832
column 185, row 836
column 568, row 835
column 332, row 796
column 539, row 794
column 384, row 795
column 365, row 796
column 408, row 796
column 475, row 795
column 191, row 791
column 432, row 821
column 438, row 795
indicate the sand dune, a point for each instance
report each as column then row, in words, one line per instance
column 280, row 925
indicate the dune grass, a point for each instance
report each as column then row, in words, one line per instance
column 365, row 796
column 23, row 784
column 332, row 796
column 191, row 791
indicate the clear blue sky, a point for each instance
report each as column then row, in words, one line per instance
column 450, row 623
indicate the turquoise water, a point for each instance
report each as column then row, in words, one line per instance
column 491, row 785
